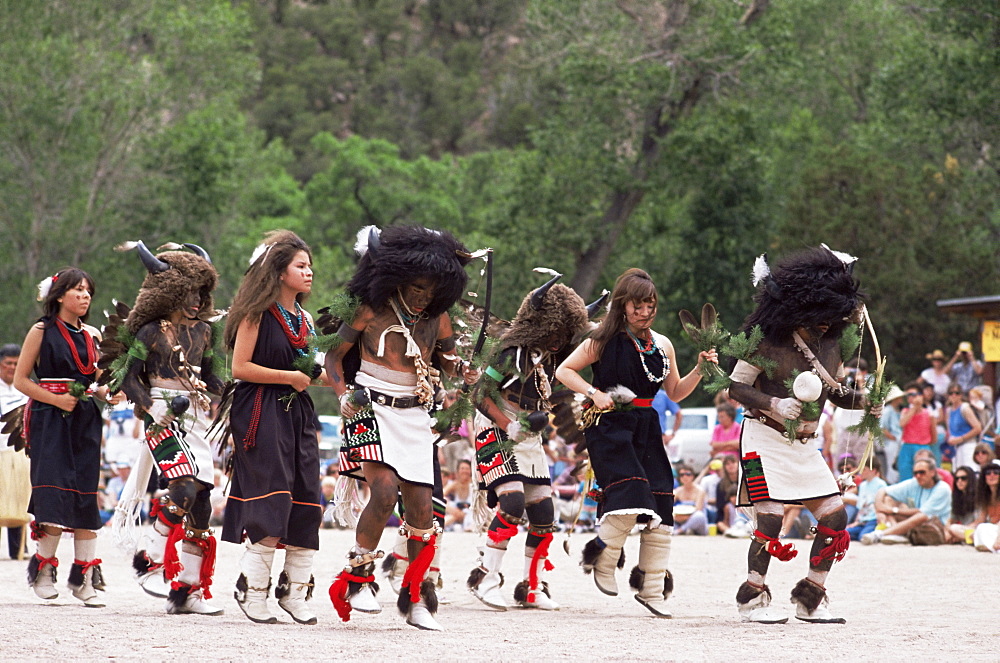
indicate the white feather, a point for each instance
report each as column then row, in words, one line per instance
column 845, row 258
column 361, row 244
column 44, row 286
column 760, row 270
column 259, row 251
column 170, row 246
column 126, row 246
column 621, row 394
column 546, row 270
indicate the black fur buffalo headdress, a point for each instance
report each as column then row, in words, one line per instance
column 810, row 288
column 398, row 255
column 171, row 276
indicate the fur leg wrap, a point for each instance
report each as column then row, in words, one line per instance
column 78, row 573
column 808, row 594
column 749, row 591
column 37, row 564
column 359, row 571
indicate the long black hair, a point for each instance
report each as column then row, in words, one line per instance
column 63, row 281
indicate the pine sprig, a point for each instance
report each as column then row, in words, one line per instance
column 119, row 368
column 215, row 352
column 743, row 346
column 344, row 307
column 849, row 341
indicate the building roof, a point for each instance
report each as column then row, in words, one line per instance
column 977, row 307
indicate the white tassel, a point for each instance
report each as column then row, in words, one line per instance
column 126, row 246
column 361, row 244
column 44, row 287
column 760, row 269
column 170, row 246
column 127, row 521
column 347, row 501
column 845, row 258
column 546, row 270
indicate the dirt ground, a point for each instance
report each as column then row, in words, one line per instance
column 900, row 603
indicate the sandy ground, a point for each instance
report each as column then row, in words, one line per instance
column 900, row 603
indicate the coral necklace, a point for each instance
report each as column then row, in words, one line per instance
column 298, row 339
column 91, row 365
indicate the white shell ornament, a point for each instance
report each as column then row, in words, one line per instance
column 807, row 387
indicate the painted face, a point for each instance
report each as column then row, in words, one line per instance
column 640, row 315
column 7, row 366
column 192, row 304
column 76, row 300
column 418, row 295
column 298, row 275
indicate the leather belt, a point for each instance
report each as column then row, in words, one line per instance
column 523, row 402
column 771, row 423
column 400, row 402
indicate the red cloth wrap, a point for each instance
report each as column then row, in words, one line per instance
column 541, row 552
column 417, row 569
column 171, row 564
column 500, row 534
column 837, row 549
column 783, row 552
column 208, row 552
column 338, row 592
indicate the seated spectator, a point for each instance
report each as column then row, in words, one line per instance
column 689, row 505
column 708, row 481
column 728, row 478
column 327, row 488
column 726, row 436
column 913, row 510
column 865, row 519
column 847, row 464
column 943, row 474
column 963, row 506
column 986, row 536
column 459, row 494
column 982, row 456
column 218, row 498
column 733, row 522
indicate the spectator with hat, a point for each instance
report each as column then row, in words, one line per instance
column 892, row 430
column 936, row 374
column 964, row 368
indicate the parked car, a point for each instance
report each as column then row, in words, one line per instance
column 692, row 445
column 329, row 444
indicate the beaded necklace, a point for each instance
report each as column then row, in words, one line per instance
column 91, row 364
column 299, row 339
column 648, row 349
column 405, row 316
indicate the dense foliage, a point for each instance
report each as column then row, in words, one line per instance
column 584, row 136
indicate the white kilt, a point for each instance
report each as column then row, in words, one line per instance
column 400, row 438
column 771, row 468
column 190, row 431
column 526, row 461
